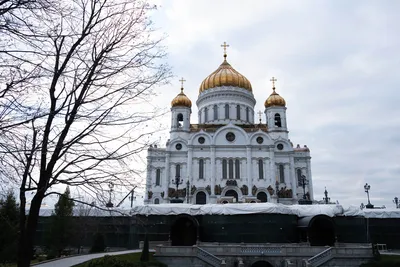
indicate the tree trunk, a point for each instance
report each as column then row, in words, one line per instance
column 26, row 241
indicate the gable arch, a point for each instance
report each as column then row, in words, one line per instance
column 172, row 144
column 267, row 139
column 241, row 137
column 193, row 139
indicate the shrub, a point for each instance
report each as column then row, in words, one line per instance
column 98, row 243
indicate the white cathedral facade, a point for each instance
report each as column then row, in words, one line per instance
column 228, row 157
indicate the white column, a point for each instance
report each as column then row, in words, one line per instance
column 272, row 166
column 287, row 173
column 310, row 184
column 213, row 178
column 189, row 165
column 248, row 166
column 148, row 180
column 167, row 171
column 293, row 176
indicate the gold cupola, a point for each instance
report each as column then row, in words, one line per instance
column 274, row 100
column 225, row 75
column 181, row 100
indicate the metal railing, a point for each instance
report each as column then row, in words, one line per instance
column 260, row 250
column 208, row 257
column 321, row 258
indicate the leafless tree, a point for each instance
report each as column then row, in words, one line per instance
column 92, row 65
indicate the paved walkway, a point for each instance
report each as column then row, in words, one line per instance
column 71, row 261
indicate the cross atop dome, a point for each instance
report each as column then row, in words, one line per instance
column 182, row 81
column 224, row 45
column 273, row 80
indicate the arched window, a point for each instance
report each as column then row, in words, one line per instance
column 260, row 169
column 224, row 168
column 180, row 120
column 215, row 112
column 238, row 112
column 201, row 198
column 278, row 122
column 205, row 114
column 247, row 114
column 178, row 171
column 158, row 177
column 226, row 111
column 201, row 169
column 231, row 169
column 156, row 201
column 237, row 169
column 299, row 183
column 262, row 196
column 281, row 173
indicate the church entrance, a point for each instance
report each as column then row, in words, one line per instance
column 262, row 196
column 232, row 193
column 262, row 264
column 184, row 231
column 321, row 231
column 201, row 198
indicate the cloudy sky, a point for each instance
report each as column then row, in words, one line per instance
column 337, row 65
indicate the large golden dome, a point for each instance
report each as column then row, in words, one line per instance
column 181, row 100
column 225, row 75
column 275, row 100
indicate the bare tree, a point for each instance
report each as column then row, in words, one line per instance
column 84, row 121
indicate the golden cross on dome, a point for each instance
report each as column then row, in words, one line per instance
column 273, row 80
column 260, row 115
column 182, row 81
column 224, row 46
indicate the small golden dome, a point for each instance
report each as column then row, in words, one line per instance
column 181, row 100
column 275, row 100
column 225, row 75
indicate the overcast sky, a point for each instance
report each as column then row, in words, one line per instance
column 337, row 65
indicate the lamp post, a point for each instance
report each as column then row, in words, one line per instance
column 326, row 198
column 367, row 187
column 110, row 204
column 177, row 181
column 187, row 191
column 303, row 183
column 276, row 191
column 396, row 201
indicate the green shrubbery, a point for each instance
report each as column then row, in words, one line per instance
column 384, row 261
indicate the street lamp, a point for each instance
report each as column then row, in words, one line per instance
column 326, row 198
column 110, row 204
column 303, row 183
column 367, row 187
column 177, row 181
column 396, row 201
column 276, row 191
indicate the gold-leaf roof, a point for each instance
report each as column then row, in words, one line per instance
column 275, row 100
column 181, row 100
column 225, row 75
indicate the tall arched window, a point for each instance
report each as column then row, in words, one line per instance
column 215, row 112
column 158, row 177
column 281, row 173
column 237, row 169
column 247, row 115
column 224, row 169
column 178, row 171
column 205, row 114
column 201, row 169
column 180, row 120
column 238, row 112
column 278, row 122
column 260, row 169
column 299, row 183
column 226, row 111
column 230, row 169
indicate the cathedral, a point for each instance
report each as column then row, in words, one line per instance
column 228, row 157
